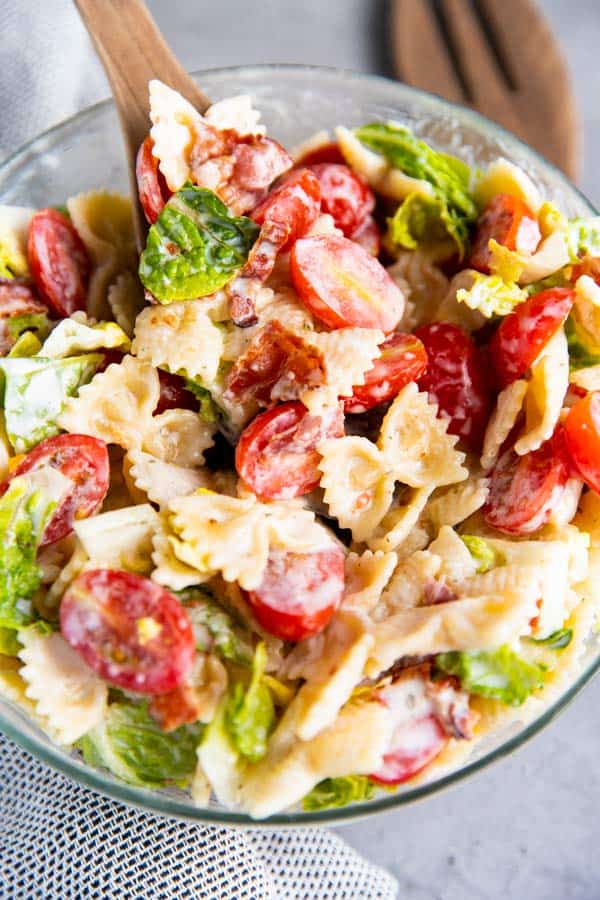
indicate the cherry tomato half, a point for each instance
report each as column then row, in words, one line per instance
column 276, row 453
column 326, row 153
column 368, row 236
column 456, row 380
column 59, row 262
column 129, row 630
column 403, row 359
column 589, row 265
column 152, row 187
column 582, row 436
column 524, row 489
column 82, row 459
column 346, row 198
column 524, row 333
column 510, row 222
column 343, row 285
column 17, row 298
column 299, row 592
column 294, row 202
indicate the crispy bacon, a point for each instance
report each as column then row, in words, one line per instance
column 451, row 707
column 244, row 288
column 17, row 298
column 178, row 707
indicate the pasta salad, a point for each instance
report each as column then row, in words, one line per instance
column 303, row 501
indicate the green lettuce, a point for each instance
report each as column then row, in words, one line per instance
column 335, row 792
column 580, row 356
column 36, row 322
column 224, row 637
column 557, row 279
column 35, row 393
column 491, row 295
column 498, row 674
column 26, row 345
column 195, row 247
column 558, row 640
column 209, row 411
column 9, row 642
column 419, row 220
column 131, row 745
column 449, row 177
column 250, row 713
column 583, row 237
column 72, row 338
column 482, row 552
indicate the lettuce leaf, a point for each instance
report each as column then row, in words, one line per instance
column 35, row 393
column 224, row 638
column 583, row 237
column 482, row 552
column 131, row 745
column 558, row 640
column 420, row 221
column 491, row 295
column 209, row 411
column 335, row 792
column 449, row 177
column 9, row 642
column 36, row 322
column 250, row 713
column 498, row 674
column 27, row 344
column 581, row 355
column 72, row 337
column 195, row 247
column 557, row 279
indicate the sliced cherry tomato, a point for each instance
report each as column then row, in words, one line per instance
column 582, row 435
column 368, row 236
column 276, row 453
column 510, row 222
column 403, row 359
column 525, row 489
column 294, row 202
column 59, row 262
column 152, row 187
column 343, row 286
column 129, row 630
column 82, row 459
column 456, row 380
column 524, row 333
column 326, row 153
column 17, row 298
column 173, row 394
column 589, row 265
column 299, row 592
column 346, row 198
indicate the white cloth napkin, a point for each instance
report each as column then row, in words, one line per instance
column 59, row 840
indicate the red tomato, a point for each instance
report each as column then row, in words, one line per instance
column 129, row 630
column 299, row 592
column 276, row 453
column 589, row 265
column 343, row 195
column 582, row 435
column 173, row 394
column 403, row 359
column 17, row 298
column 523, row 334
column 343, row 286
column 508, row 221
column 326, row 153
column 367, row 235
column 152, row 187
column 59, row 262
column 294, row 202
column 82, row 459
column 524, row 489
column 456, row 380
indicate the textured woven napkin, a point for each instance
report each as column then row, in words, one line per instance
column 58, row 840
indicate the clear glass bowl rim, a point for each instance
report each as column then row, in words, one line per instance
column 167, row 805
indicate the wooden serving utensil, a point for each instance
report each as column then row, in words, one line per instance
column 133, row 51
column 497, row 56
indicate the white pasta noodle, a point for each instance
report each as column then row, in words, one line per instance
column 66, row 692
column 314, row 142
column 348, row 353
column 235, row 113
column 121, row 539
column 407, row 585
column 456, row 562
column 423, row 283
column 397, row 525
column 450, row 310
column 76, row 564
column 366, row 576
column 545, row 394
column 162, row 482
column 169, row 571
column 508, row 406
column 588, row 378
column 178, row 436
column 6, row 450
column 457, row 503
column 174, row 125
column 504, row 177
column 126, row 299
column 377, row 171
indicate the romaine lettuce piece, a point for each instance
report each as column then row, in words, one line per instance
column 195, row 247
column 335, row 792
column 582, row 352
column 498, row 674
column 558, row 640
column 209, row 411
column 491, row 295
column 14, row 224
column 583, row 237
column 26, row 345
column 35, row 393
column 482, row 552
column 420, row 221
column 224, row 638
column 72, row 337
column 9, row 642
column 449, row 177
column 250, row 713
column 39, row 323
column 131, row 745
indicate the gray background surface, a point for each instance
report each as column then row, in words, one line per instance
column 527, row 829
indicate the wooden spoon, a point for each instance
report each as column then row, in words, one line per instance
column 498, row 56
column 133, row 51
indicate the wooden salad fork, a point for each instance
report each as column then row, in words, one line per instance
column 133, row 51
column 497, row 56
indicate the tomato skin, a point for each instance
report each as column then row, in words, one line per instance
column 343, row 285
column 403, row 359
column 173, row 394
column 418, row 742
column 326, row 153
column 276, row 453
column 17, row 298
column 524, row 333
column 99, row 616
column 152, row 187
column 582, row 436
column 81, row 458
column 456, row 380
column 589, row 265
column 510, row 222
column 524, row 489
column 294, row 202
column 368, row 236
column 59, row 262
column 299, row 592
column 344, row 196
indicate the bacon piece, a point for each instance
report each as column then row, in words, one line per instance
column 178, row 707
column 17, row 298
column 451, row 707
column 244, row 288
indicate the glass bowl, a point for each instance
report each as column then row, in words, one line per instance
column 86, row 152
